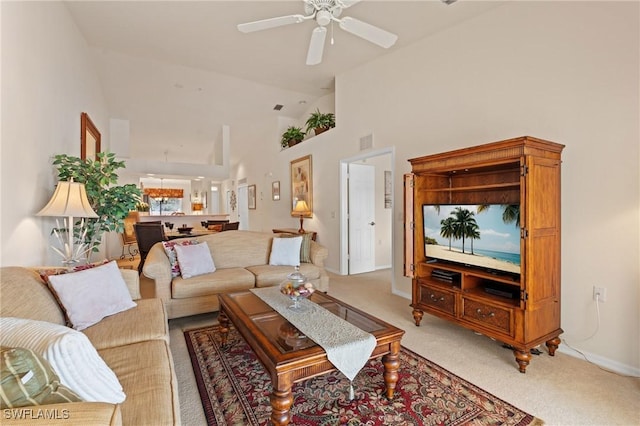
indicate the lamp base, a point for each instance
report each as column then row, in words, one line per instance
column 301, row 230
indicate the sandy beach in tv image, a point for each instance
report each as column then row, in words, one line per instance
column 491, row 240
column 456, row 255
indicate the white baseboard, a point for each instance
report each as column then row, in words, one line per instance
column 600, row 361
column 401, row 293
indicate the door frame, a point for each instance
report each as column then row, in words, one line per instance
column 344, row 204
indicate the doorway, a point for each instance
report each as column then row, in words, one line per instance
column 366, row 212
column 243, row 207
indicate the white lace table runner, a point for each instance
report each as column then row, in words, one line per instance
column 347, row 347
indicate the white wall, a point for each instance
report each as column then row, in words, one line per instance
column 539, row 69
column 48, row 80
column 562, row 71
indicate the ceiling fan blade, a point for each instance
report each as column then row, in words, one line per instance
column 266, row 24
column 316, row 46
column 348, row 3
column 368, row 32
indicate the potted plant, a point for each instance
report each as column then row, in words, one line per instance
column 292, row 136
column 112, row 203
column 320, row 122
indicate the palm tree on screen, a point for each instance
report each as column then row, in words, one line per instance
column 474, row 234
column 463, row 221
column 510, row 212
column 447, row 229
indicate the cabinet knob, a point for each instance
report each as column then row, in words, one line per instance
column 435, row 299
column 490, row 314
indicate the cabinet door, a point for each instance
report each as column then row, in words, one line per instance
column 409, row 223
column 541, row 254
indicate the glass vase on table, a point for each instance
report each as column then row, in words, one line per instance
column 296, row 287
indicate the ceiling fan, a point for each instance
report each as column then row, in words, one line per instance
column 324, row 12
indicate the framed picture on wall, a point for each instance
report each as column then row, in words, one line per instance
column 275, row 190
column 89, row 138
column 251, row 196
column 301, row 186
column 387, row 189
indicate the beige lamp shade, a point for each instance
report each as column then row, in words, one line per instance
column 302, row 209
column 69, row 199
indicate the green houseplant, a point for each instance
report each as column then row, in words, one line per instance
column 292, row 136
column 111, row 202
column 320, row 122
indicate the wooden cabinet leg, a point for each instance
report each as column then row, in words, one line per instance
column 391, row 362
column 281, row 401
column 223, row 320
column 552, row 345
column 522, row 358
column 417, row 316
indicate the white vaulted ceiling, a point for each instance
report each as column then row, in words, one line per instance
column 179, row 70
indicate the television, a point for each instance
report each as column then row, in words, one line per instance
column 482, row 236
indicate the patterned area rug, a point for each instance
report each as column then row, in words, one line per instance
column 235, row 388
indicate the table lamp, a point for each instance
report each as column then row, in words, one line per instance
column 302, row 209
column 69, row 200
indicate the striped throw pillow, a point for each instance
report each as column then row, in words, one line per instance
column 28, row 379
column 305, row 247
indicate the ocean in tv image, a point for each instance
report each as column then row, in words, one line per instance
column 486, row 236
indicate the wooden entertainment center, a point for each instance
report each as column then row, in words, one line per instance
column 523, row 171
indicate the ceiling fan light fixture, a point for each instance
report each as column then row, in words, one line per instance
column 323, row 17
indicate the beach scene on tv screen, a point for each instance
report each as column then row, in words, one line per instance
column 486, row 236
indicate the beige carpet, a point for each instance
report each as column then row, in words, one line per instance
column 560, row 390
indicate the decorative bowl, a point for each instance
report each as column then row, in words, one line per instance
column 185, row 230
column 296, row 288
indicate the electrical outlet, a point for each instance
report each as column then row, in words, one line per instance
column 600, row 293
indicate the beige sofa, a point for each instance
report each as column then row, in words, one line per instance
column 134, row 344
column 241, row 259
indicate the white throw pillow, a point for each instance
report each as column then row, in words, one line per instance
column 90, row 295
column 171, row 253
column 71, row 355
column 194, row 260
column 285, row 251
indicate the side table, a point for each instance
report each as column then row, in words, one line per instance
column 314, row 234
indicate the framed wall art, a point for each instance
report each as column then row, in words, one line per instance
column 251, row 196
column 387, row 189
column 301, row 184
column 275, row 190
column 89, row 138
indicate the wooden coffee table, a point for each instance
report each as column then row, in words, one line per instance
column 288, row 356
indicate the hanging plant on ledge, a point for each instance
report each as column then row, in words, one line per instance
column 320, row 122
column 293, row 135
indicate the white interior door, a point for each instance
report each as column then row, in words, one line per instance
column 362, row 235
column 243, row 207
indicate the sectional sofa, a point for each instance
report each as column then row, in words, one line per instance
column 134, row 345
column 242, row 259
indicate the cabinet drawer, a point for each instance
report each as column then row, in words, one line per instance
column 439, row 299
column 497, row 318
